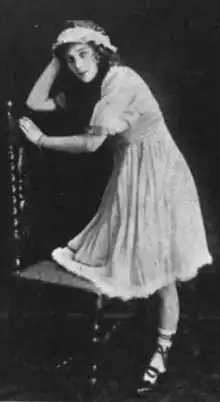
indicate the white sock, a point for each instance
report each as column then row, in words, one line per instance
column 164, row 342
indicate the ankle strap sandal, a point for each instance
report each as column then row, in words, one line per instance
column 145, row 386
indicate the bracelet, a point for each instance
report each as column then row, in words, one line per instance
column 39, row 141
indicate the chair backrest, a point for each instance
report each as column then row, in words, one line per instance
column 49, row 190
column 16, row 165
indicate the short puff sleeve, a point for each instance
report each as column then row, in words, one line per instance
column 125, row 97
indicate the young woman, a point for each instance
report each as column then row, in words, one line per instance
column 148, row 232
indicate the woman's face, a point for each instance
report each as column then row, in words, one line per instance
column 82, row 61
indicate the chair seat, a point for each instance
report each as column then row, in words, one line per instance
column 48, row 272
column 52, row 273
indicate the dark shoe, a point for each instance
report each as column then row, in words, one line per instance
column 145, row 387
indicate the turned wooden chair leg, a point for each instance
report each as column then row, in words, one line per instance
column 99, row 339
column 109, row 334
column 96, row 344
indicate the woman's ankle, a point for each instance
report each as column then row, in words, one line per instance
column 158, row 361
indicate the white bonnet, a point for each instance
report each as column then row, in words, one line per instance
column 80, row 34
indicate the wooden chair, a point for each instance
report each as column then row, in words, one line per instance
column 43, row 273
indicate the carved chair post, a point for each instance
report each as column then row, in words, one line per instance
column 14, row 154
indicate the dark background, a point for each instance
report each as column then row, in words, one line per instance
column 175, row 45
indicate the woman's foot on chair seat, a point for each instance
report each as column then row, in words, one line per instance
column 62, row 254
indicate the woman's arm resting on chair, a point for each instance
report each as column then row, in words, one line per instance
column 72, row 144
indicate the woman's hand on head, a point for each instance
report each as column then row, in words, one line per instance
column 31, row 131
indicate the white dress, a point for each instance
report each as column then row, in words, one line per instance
column 148, row 231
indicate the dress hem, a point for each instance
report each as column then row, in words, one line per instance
column 105, row 287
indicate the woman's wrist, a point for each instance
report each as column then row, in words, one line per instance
column 41, row 143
